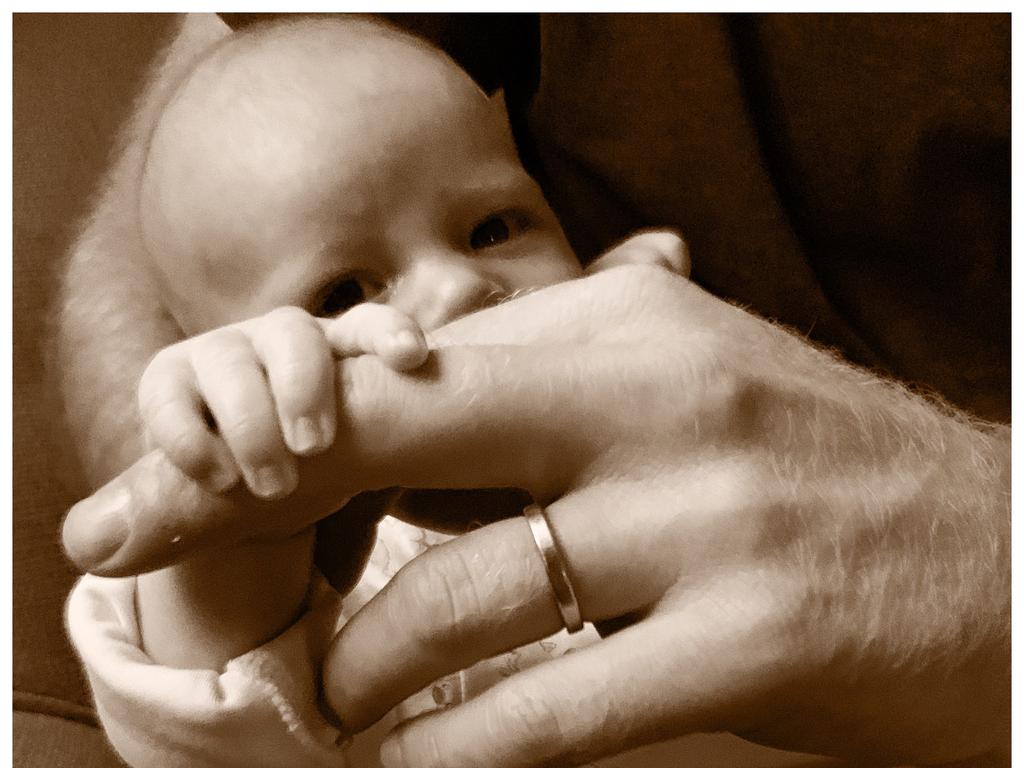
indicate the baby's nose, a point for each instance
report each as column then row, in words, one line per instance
column 440, row 288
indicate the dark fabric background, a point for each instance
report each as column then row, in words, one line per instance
column 847, row 174
column 74, row 78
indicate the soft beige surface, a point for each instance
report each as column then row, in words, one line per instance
column 73, row 81
column 40, row 740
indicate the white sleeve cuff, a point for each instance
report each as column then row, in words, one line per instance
column 259, row 712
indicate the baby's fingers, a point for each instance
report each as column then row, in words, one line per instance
column 231, row 380
column 300, row 369
column 175, row 421
column 377, row 329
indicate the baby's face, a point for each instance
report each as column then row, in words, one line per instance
column 408, row 192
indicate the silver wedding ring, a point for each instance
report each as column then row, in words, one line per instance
column 554, row 563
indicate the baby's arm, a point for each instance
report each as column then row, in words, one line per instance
column 243, row 401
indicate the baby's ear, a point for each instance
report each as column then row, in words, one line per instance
column 498, row 102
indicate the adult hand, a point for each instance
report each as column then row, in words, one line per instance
column 813, row 557
column 129, row 526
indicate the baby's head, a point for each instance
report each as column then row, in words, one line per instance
column 324, row 162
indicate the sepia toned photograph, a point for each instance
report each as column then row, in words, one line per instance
column 508, row 390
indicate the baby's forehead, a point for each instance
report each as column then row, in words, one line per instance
column 318, row 96
column 304, row 124
column 327, row 88
column 332, row 62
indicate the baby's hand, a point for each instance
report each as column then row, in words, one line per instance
column 658, row 247
column 248, row 397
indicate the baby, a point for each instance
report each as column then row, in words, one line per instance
column 315, row 189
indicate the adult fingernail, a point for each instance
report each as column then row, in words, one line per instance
column 305, row 436
column 271, row 480
column 391, row 754
column 97, row 527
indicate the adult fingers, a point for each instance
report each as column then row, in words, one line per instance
column 300, row 369
column 235, row 388
column 472, row 417
column 481, row 594
column 698, row 667
column 118, row 530
column 524, row 401
column 172, row 414
column 447, row 425
column 599, row 307
column 656, row 247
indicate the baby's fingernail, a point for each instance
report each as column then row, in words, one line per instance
column 406, row 339
column 306, row 436
column 408, row 349
column 221, row 478
column 271, row 480
column 97, row 527
column 327, row 426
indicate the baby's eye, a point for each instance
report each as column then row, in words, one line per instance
column 495, row 230
column 340, row 297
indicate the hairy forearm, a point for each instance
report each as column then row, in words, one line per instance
column 911, row 575
column 958, row 603
column 113, row 320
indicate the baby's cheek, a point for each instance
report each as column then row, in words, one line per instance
column 534, row 261
column 555, row 263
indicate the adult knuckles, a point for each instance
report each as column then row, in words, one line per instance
column 419, row 745
column 525, row 713
column 732, row 404
column 673, row 304
column 649, row 283
column 438, row 598
column 651, row 304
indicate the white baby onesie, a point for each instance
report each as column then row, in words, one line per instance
column 261, row 710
